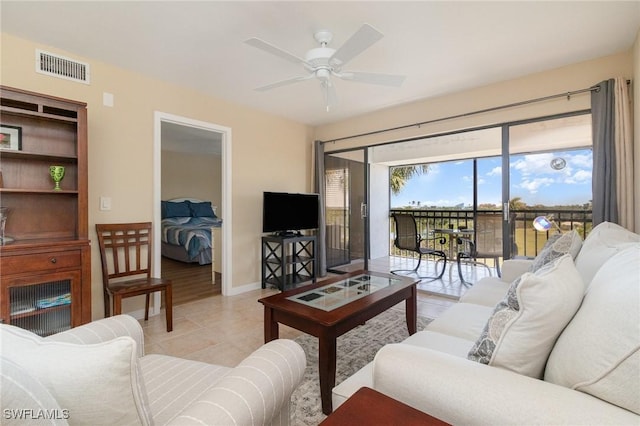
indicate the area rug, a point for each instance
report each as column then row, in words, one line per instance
column 355, row 349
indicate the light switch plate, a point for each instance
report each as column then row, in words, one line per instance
column 105, row 203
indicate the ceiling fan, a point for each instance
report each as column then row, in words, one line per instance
column 324, row 62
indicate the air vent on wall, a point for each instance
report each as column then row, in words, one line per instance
column 59, row 66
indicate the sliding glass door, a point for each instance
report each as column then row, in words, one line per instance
column 346, row 209
column 550, row 165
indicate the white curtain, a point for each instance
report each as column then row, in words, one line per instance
column 623, row 142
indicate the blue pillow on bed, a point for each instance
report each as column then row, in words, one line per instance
column 173, row 209
column 203, row 209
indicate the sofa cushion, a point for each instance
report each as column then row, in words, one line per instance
column 556, row 246
column 599, row 351
column 603, row 242
column 422, row 339
column 463, row 320
column 524, row 326
column 21, row 391
column 487, row 292
column 98, row 383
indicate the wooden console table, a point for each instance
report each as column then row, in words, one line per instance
column 370, row 407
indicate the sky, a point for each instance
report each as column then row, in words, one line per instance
column 533, row 179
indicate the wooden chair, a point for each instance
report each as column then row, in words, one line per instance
column 407, row 238
column 125, row 252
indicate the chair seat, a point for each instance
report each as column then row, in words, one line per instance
column 138, row 284
column 425, row 250
column 480, row 255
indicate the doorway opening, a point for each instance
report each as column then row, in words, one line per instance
column 216, row 135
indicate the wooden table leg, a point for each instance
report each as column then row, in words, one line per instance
column 411, row 309
column 270, row 326
column 327, row 370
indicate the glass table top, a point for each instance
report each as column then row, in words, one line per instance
column 332, row 296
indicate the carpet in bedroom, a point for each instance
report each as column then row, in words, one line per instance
column 355, row 349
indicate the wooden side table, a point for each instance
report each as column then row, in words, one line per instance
column 370, row 407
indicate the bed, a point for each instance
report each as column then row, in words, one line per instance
column 187, row 226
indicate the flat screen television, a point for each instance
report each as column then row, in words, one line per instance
column 284, row 212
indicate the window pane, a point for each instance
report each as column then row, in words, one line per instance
column 553, row 179
column 448, row 184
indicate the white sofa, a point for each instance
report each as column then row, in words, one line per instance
column 587, row 372
column 98, row 374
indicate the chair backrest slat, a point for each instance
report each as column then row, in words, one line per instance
column 125, row 249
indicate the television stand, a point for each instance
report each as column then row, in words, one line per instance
column 288, row 260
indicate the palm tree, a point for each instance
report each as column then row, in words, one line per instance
column 400, row 175
column 516, row 203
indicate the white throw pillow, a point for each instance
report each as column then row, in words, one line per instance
column 557, row 246
column 25, row 400
column 599, row 351
column 98, row 384
column 524, row 326
column 603, row 242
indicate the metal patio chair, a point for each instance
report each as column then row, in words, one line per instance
column 408, row 238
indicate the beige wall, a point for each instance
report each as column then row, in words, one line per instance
column 561, row 80
column 268, row 152
column 195, row 175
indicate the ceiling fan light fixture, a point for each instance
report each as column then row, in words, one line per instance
column 323, row 74
column 318, row 57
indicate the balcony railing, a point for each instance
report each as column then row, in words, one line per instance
column 528, row 241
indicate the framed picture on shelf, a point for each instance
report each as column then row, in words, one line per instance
column 10, row 138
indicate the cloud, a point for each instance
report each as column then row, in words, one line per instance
column 496, row 171
column 535, row 184
column 533, row 164
column 579, row 177
column 536, row 171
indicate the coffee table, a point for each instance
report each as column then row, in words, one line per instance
column 334, row 306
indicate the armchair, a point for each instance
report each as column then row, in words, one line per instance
column 129, row 387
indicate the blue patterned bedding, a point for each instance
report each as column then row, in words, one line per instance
column 191, row 233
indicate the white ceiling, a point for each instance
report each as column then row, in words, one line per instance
column 442, row 47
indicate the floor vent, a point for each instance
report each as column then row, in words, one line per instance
column 59, row 66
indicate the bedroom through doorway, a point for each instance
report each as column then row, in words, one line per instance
column 190, row 192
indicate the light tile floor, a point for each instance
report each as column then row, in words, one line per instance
column 224, row 330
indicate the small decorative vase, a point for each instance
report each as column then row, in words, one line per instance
column 57, row 173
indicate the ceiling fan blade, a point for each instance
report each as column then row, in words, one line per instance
column 373, row 78
column 274, row 50
column 330, row 95
column 358, row 43
column 284, row 83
